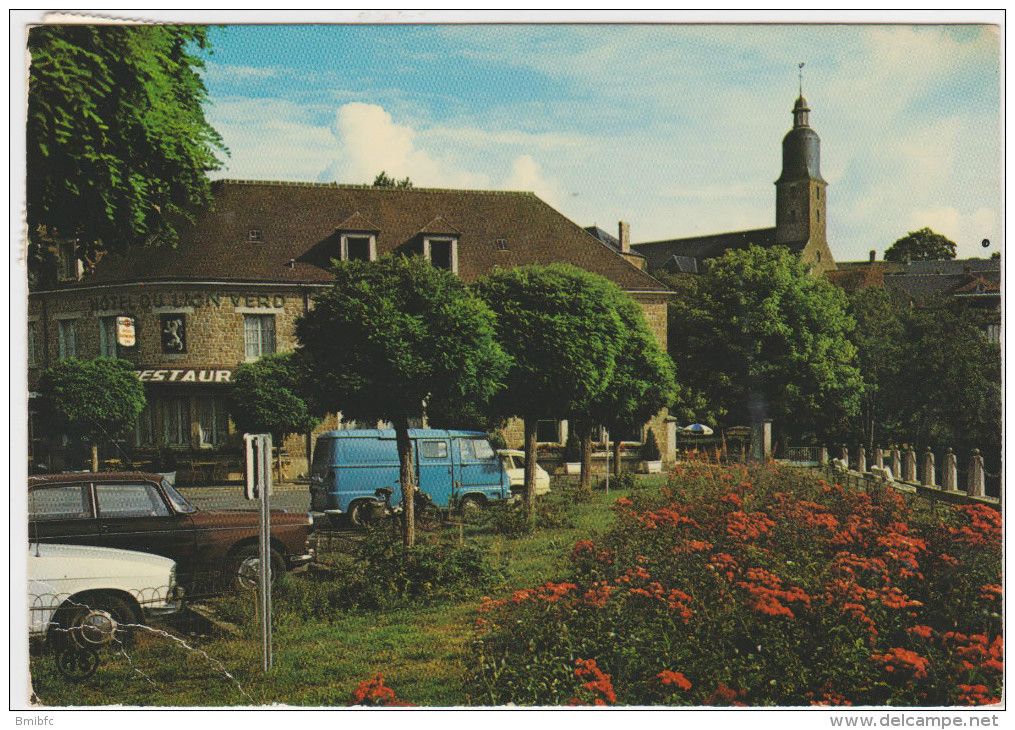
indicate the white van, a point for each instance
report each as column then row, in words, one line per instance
column 514, row 464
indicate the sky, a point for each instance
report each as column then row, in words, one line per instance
column 676, row 129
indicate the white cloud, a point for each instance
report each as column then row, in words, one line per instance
column 673, row 128
column 270, row 139
column 966, row 229
column 369, row 141
column 527, row 174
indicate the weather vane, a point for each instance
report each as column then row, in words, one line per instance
column 801, row 72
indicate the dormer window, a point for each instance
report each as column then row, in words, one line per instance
column 441, row 252
column 502, row 244
column 358, row 247
column 255, row 235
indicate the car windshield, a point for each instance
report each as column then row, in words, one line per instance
column 180, row 504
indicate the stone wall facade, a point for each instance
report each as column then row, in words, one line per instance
column 186, row 381
column 186, row 388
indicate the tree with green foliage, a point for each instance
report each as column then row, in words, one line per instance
column 689, row 404
column 562, row 330
column 921, row 245
column 879, row 338
column 393, row 338
column 643, row 382
column 931, row 376
column 766, row 339
column 949, row 383
column 383, row 180
column 90, row 400
column 118, row 147
column 273, row 395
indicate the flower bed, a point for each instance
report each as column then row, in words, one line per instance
column 760, row 586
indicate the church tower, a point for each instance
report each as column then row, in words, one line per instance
column 800, row 220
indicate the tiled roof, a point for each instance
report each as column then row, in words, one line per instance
column 921, row 281
column 923, row 288
column 298, row 222
column 855, row 279
column 660, row 253
column 609, row 239
column 979, row 285
column 356, row 223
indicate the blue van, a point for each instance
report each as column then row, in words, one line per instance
column 454, row 468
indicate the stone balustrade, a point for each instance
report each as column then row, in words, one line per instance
column 904, row 465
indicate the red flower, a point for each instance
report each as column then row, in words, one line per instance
column 827, row 696
column 976, row 694
column 991, row 592
column 598, row 682
column 924, row 632
column 373, row 693
column 723, row 695
column 673, row 679
column 767, row 596
column 904, row 662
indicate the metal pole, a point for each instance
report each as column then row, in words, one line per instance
column 607, row 434
column 264, row 442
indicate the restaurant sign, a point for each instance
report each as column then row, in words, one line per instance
column 185, row 375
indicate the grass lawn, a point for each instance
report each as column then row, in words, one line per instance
column 421, row 649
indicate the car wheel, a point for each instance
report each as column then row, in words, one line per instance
column 244, row 572
column 361, row 512
column 471, row 506
column 94, row 620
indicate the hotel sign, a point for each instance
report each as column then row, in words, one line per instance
column 185, row 375
column 181, row 299
column 125, row 334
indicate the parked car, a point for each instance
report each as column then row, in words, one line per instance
column 89, row 596
column 455, row 469
column 514, row 465
column 139, row 511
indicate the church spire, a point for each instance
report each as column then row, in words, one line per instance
column 800, row 110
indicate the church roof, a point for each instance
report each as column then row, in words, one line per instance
column 660, row 253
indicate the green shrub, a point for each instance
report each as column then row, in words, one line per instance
column 627, row 480
column 496, row 439
column 572, row 447
column 384, row 574
column 650, row 449
column 552, row 511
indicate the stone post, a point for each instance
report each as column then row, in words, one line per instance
column 823, row 457
column 761, row 440
column 896, row 463
column 949, row 473
column 909, row 465
column 845, row 455
column 879, row 458
column 861, row 460
column 928, row 468
column 974, row 487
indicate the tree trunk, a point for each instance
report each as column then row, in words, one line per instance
column 616, row 458
column 279, row 457
column 530, row 465
column 407, row 480
column 95, row 457
column 585, row 436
